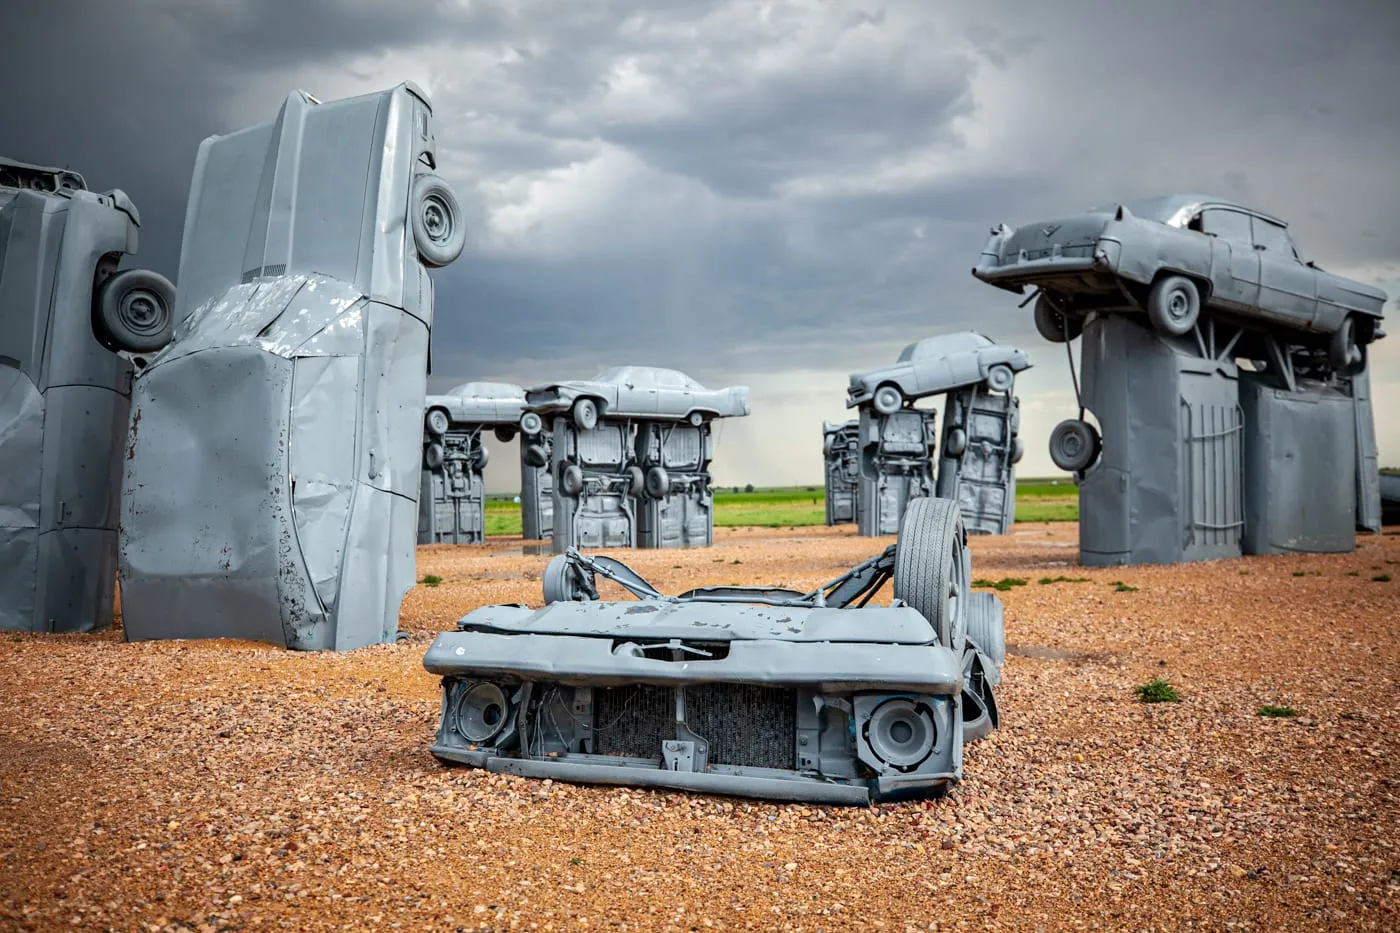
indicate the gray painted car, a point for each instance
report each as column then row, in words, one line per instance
column 1175, row 257
column 841, row 454
column 753, row 691
column 648, row 392
column 273, row 464
column 935, row 365
column 494, row 404
column 71, row 326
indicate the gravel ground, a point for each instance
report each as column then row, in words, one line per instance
column 227, row 785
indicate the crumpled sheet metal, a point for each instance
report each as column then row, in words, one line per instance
column 271, row 483
column 21, row 440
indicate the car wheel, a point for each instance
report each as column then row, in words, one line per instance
column 535, row 456
column 439, row 232
column 931, row 567
column 636, row 481
column 531, row 423
column 571, row 479
column 561, row 584
column 1053, row 324
column 1018, row 450
column 1344, row 352
column 826, row 445
column 986, row 625
column 956, row 443
column 1000, row 378
column 695, row 418
column 1173, row 305
column 979, row 704
column 1074, row 445
column 136, row 311
column 437, row 422
column 658, row 482
column 479, row 457
column 586, row 414
column 432, row 456
column 888, row 400
column 505, row 434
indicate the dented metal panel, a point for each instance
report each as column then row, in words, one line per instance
column 841, row 454
column 896, row 467
column 272, row 472
column 1368, row 490
column 536, row 486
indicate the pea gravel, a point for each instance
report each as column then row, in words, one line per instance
column 231, row 786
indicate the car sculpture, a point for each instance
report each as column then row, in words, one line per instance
column 647, row 392
column 1181, row 259
column 497, row 404
column 934, row 365
column 752, row 691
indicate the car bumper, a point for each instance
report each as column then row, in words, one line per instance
column 1014, row 271
column 794, row 788
column 831, row 667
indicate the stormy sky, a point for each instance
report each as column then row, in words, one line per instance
column 774, row 194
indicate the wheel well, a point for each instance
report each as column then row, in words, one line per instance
column 1202, row 284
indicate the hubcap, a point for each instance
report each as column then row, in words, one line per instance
column 141, row 312
column 1177, row 305
column 435, row 219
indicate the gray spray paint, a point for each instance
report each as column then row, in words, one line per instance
column 1368, row 490
column 841, row 455
column 271, row 487
column 452, row 504
column 980, row 446
column 536, row 486
column 630, row 454
column 64, row 397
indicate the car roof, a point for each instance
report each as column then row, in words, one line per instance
column 503, row 390
column 945, row 344
column 1175, row 209
column 649, row 376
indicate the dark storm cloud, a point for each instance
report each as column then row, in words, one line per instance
column 743, row 189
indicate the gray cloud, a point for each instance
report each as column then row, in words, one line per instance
column 746, row 191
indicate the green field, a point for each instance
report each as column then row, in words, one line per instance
column 1037, row 500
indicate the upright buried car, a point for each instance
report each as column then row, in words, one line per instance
column 272, row 470
column 754, row 691
column 1174, row 257
column 71, row 328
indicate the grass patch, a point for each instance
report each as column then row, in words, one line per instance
column 1157, row 690
column 1046, row 581
column 1353, row 573
column 1381, row 578
column 431, row 579
column 1120, row 587
column 1299, row 573
column 1277, row 712
column 1004, row 584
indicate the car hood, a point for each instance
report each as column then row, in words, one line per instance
column 657, row 619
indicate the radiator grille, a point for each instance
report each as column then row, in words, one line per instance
column 744, row 725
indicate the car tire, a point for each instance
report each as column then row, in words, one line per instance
column 1174, row 305
column 585, row 414
column 571, row 479
column 695, row 418
column 531, row 423
column 479, row 457
column 560, row 585
column 1344, row 352
column 439, row 230
column 437, row 422
column 986, row 625
column 432, row 456
column 136, row 311
column 1053, row 324
column 535, row 456
column 1018, row 450
column 888, row 400
column 1074, row 445
column 827, row 445
column 1000, row 378
column 956, row 443
column 505, row 433
column 658, row 482
column 636, row 481
column 979, row 704
column 932, row 569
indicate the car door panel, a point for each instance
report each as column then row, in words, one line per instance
column 1287, row 288
column 1232, row 254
